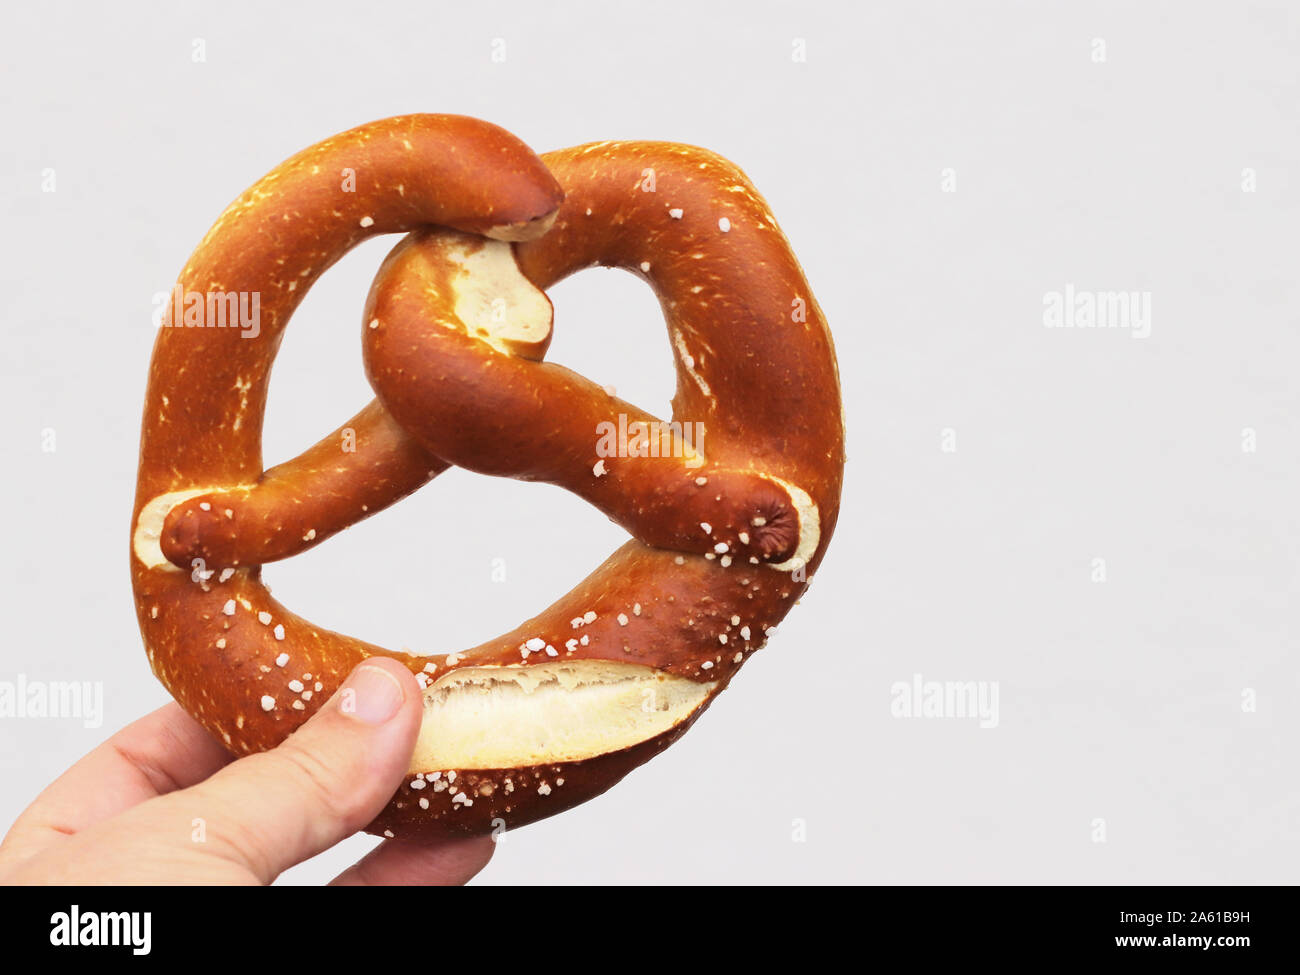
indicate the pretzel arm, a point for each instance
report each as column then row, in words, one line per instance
column 508, row 415
column 456, row 325
column 362, row 467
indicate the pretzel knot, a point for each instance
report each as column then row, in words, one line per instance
column 730, row 503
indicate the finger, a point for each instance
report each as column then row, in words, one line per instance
column 160, row 753
column 394, row 863
column 325, row 782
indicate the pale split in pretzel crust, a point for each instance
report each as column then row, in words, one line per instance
column 567, row 711
column 725, row 536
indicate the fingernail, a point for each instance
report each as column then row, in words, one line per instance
column 371, row 694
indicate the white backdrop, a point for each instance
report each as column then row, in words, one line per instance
column 1101, row 521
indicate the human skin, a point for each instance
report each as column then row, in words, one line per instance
column 161, row 802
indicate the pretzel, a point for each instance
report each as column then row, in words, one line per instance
column 727, row 528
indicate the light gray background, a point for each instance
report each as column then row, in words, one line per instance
column 1119, row 701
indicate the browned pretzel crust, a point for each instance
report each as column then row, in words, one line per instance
column 727, row 528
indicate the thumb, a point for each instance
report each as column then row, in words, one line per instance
column 326, row 781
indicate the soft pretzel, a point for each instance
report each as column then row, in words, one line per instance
column 726, row 528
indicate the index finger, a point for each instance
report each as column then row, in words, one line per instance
column 160, row 753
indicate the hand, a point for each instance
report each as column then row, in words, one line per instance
column 161, row 802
